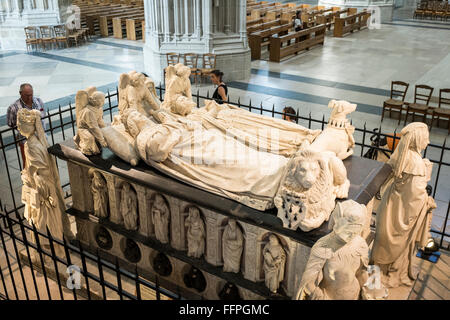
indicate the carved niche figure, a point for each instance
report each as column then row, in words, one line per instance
column 274, row 262
column 195, row 233
column 89, row 111
column 99, row 193
column 129, row 207
column 336, row 268
column 232, row 246
column 161, row 215
column 338, row 135
column 135, row 93
column 41, row 191
column 178, row 97
column 405, row 209
column 308, row 190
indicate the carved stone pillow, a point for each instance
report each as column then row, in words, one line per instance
column 121, row 143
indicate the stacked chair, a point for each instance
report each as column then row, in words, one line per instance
column 42, row 37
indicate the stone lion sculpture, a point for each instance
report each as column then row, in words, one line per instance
column 308, row 190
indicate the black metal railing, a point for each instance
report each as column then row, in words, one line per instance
column 61, row 125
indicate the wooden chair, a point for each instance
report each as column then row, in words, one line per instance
column 441, row 112
column 46, row 36
column 75, row 36
column 209, row 64
column 423, row 93
column 31, row 37
column 398, row 90
column 191, row 60
column 172, row 58
column 61, row 34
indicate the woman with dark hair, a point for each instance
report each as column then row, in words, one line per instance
column 221, row 93
column 298, row 24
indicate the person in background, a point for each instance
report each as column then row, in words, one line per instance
column 289, row 114
column 221, row 93
column 298, row 24
column 26, row 100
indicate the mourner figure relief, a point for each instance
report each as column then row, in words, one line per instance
column 195, row 233
column 232, row 246
column 161, row 215
column 336, row 269
column 41, row 191
column 274, row 263
column 89, row 112
column 405, row 210
column 129, row 207
column 99, row 193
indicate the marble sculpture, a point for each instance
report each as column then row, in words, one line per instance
column 336, row 269
column 404, row 213
column 232, row 247
column 247, row 157
column 41, row 191
column 274, row 263
column 160, row 215
column 89, row 112
column 99, row 193
column 195, row 233
column 128, row 207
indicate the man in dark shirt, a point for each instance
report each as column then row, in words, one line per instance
column 26, row 100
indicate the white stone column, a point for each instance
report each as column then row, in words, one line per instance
column 177, row 14
column 40, row 5
column 166, row 29
column 198, row 19
column 227, row 26
column 27, row 5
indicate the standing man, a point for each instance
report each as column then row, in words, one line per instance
column 26, row 100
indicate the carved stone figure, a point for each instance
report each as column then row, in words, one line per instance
column 178, row 96
column 137, row 92
column 309, row 188
column 195, row 233
column 99, row 193
column 41, row 190
column 129, row 207
column 338, row 135
column 161, row 215
column 232, row 246
column 89, row 111
column 336, row 269
column 274, row 262
column 405, row 209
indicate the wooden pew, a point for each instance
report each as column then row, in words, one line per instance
column 350, row 23
column 261, row 38
column 281, row 46
column 263, row 26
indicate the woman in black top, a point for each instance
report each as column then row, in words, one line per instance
column 221, row 93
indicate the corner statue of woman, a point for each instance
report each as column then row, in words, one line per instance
column 195, row 233
column 404, row 210
column 128, row 207
column 41, row 192
column 232, row 245
column 160, row 215
column 336, row 269
column 274, row 261
column 99, row 193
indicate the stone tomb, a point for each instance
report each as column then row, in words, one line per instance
column 139, row 249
